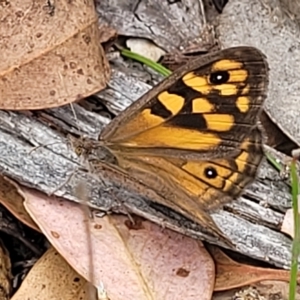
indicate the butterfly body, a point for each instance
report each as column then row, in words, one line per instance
column 195, row 137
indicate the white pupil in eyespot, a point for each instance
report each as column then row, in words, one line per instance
column 219, row 77
column 210, row 173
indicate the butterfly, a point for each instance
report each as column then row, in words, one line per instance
column 195, row 138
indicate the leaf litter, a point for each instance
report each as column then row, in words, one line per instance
column 131, row 262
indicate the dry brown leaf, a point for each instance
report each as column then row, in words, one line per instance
column 106, row 33
column 50, row 278
column 275, row 137
column 13, row 201
column 52, row 53
column 231, row 274
column 132, row 262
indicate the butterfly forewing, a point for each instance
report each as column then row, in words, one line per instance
column 206, row 107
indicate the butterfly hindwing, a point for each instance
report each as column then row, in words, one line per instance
column 195, row 187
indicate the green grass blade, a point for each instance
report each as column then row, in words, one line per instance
column 296, row 241
column 150, row 63
column 272, row 160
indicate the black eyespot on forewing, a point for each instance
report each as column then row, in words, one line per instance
column 219, row 77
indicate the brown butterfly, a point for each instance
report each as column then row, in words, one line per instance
column 194, row 138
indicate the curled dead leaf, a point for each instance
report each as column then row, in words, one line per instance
column 52, row 54
column 11, row 199
column 231, row 274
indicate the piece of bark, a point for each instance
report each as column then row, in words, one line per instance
column 168, row 24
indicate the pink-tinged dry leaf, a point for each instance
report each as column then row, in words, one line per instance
column 288, row 223
column 50, row 52
column 52, row 278
column 133, row 262
column 231, row 274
